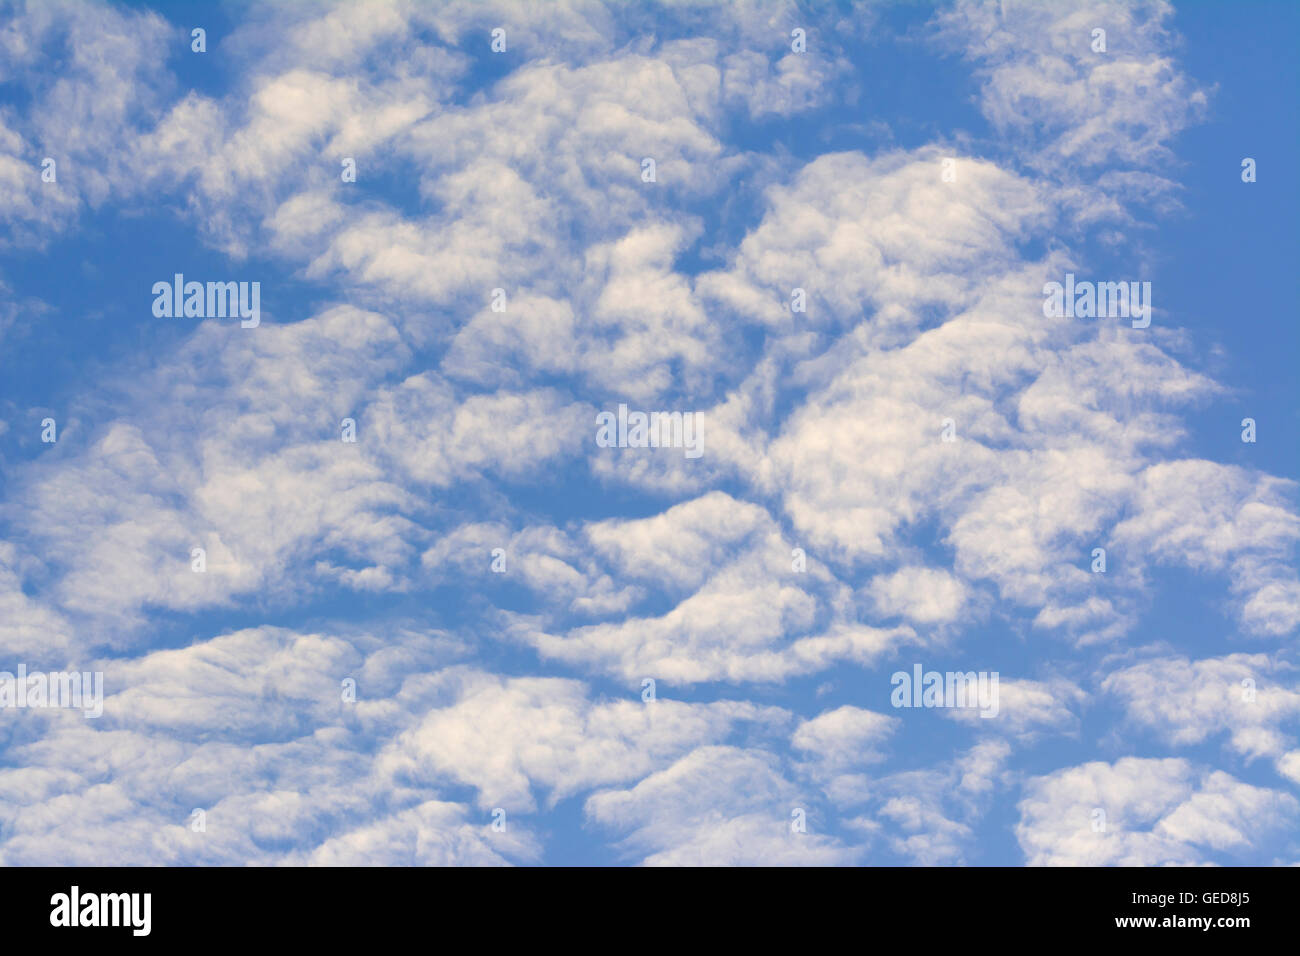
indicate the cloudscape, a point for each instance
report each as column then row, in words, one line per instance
column 684, row 433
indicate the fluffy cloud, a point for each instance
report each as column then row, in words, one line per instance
column 507, row 738
column 918, row 460
column 717, row 806
column 1251, row 697
column 1156, row 812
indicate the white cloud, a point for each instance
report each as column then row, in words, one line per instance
column 923, row 595
column 844, row 736
column 1157, row 812
column 823, row 427
column 929, row 816
column 1071, row 106
column 510, row 738
column 1028, row 708
column 1251, row 697
column 717, row 806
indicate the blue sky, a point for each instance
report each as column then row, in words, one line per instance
column 1119, row 692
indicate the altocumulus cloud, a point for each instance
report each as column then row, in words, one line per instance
column 363, row 585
